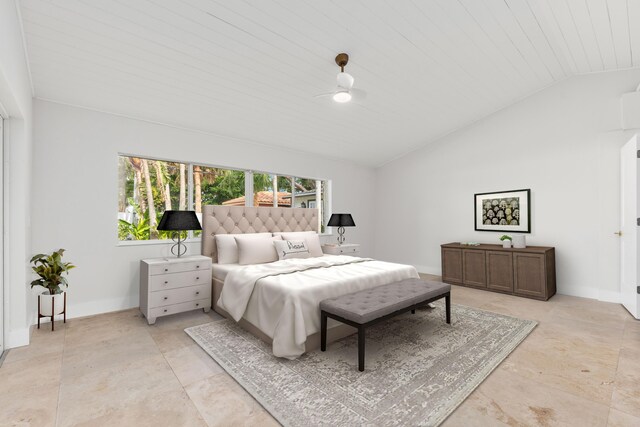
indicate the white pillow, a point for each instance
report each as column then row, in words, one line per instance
column 228, row 249
column 288, row 249
column 256, row 251
column 311, row 238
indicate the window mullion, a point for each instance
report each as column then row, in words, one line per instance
column 190, row 194
column 248, row 188
column 293, row 192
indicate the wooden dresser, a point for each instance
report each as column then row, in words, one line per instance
column 528, row 272
column 174, row 285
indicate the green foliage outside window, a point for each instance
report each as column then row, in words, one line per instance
column 149, row 187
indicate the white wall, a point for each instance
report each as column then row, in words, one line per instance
column 15, row 99
column 75, row 193
column 562, row 143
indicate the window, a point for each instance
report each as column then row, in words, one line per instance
column 148, row 187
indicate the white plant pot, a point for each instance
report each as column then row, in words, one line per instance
column 45, row 304
column 506, row 244
column 519, row 242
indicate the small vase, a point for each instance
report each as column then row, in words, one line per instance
column 46, row 305
column 506, row 244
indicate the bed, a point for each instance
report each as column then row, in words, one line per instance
column 279, row 301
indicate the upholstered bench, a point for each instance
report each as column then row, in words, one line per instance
column 367, row 307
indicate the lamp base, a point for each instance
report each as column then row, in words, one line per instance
column 340, row 236
column 179, row 248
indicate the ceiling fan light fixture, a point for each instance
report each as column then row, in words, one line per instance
column 342, row 96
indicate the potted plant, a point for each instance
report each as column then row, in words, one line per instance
column 506, row 241
column 51, row 269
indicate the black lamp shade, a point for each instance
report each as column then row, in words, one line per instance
column 341, row 220
column 179, row 221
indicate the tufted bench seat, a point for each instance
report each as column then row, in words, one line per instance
column 367, row 307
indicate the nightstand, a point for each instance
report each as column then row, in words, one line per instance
column 174, row 285
column 345, row 249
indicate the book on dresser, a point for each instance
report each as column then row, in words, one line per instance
column 527, row 272
column 174, row 285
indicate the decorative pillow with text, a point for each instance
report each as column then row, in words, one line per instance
column 288, row 249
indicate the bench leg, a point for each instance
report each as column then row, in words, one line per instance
column 447, row 300
column 323, row 331
column 361, row 348
column 413, row 312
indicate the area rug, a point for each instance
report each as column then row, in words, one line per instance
column 418, row 368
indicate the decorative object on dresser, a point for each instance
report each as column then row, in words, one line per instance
column 508, row 211
column 178, row 222
column 341, row 220
column 346, row 249
column 367, row 307
column 174, row 285
column 53, row 301
column 529, row 272
column 506, row 241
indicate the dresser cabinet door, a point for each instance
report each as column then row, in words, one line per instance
column 500, row 271
column 529, row 275
column 451, row 265
column 474, row 272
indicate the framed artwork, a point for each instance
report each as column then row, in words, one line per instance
column 504, row 211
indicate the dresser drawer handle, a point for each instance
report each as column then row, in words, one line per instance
column 165, row 310
column 197, row 278
column 197, row 266
column 166, row 269
column 166, row 298
column 166, row 281
column 198, row 293
column 197, row 305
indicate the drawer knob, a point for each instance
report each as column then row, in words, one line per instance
column 166, row 269
column 197, row 266
column 197, row 278
column 165, row 310
column 166, row 281
column 198, row 293
column 197, row 305
column 166, row 297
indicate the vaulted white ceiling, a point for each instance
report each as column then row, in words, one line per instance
column 250, row 69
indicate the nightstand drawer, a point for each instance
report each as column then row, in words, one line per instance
column 179, row 308
column 178, row 267
column 341, row 250
column 176, row 296
column 179, row 280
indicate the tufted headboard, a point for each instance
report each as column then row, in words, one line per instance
column 243, row 219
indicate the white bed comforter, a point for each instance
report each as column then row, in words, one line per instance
column 282, row 298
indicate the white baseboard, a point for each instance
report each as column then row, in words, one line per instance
column 428, row 270
column 94, row 307
column 610, row 296
column 575, row 291
column 18, row 338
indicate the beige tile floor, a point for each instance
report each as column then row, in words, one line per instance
column 579, row 367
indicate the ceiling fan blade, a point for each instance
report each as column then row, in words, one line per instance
column 322, row 95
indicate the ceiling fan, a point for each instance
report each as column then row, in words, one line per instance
column 345, row 90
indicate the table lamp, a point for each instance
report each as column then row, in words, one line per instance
column 341, row 220
column 178, row 221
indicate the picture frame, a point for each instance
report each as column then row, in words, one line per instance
column 503, row 211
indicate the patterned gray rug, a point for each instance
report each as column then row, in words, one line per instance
column 418, row 368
